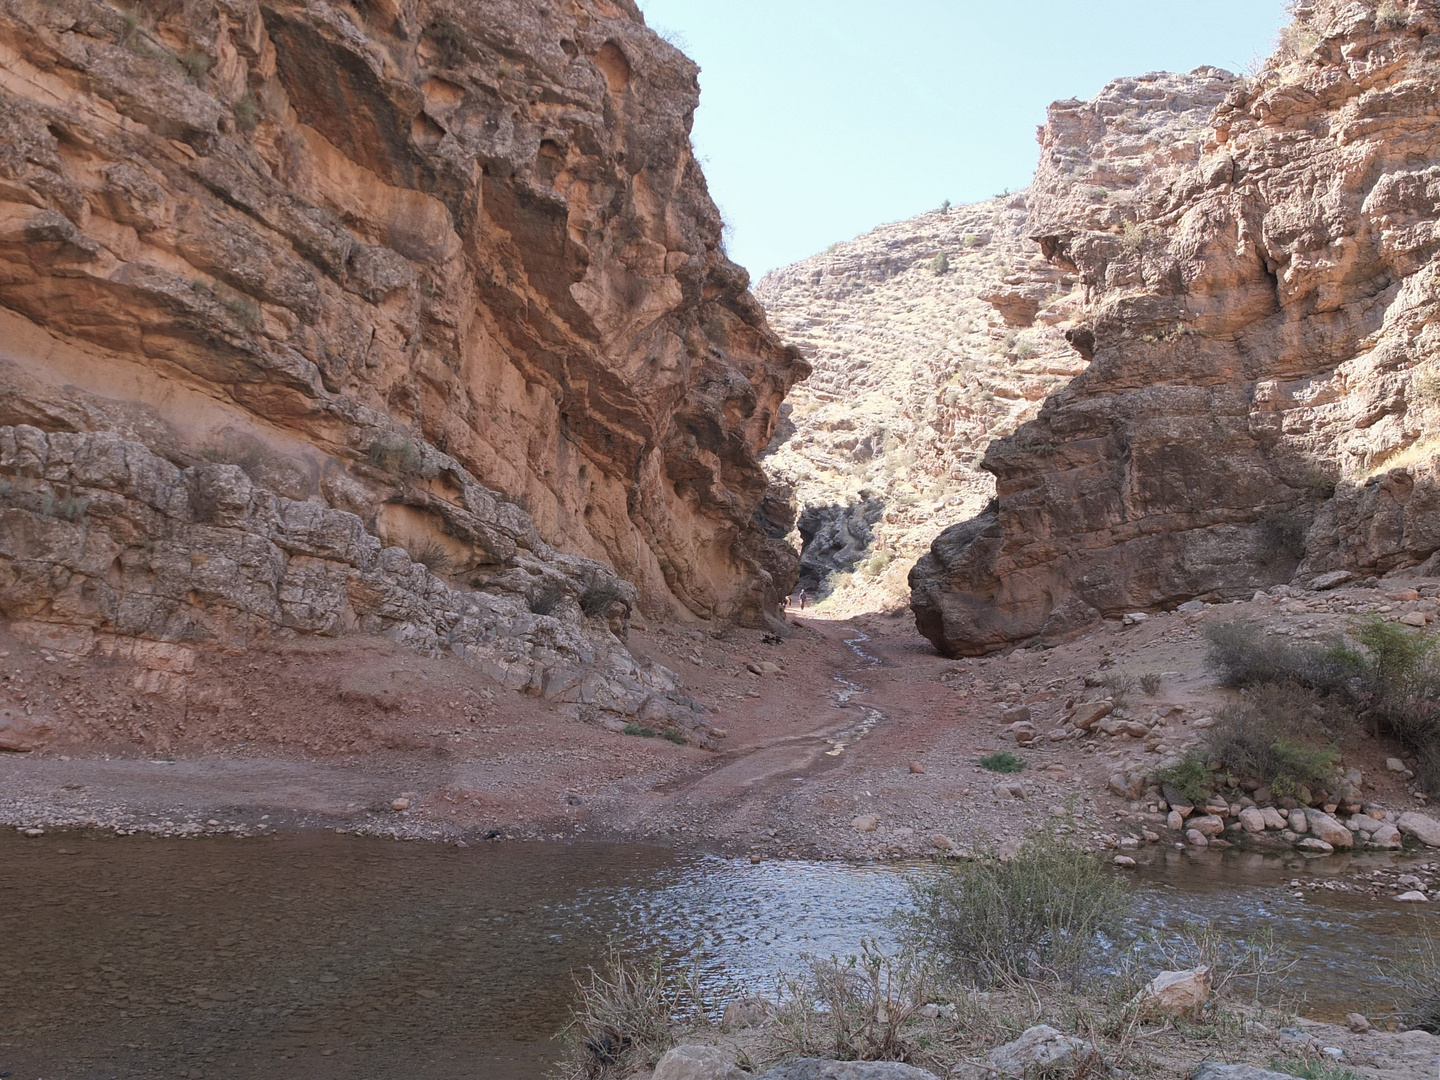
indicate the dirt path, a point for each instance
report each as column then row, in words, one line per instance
column 846, row 739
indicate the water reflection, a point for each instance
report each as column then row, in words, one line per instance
column 334, row 956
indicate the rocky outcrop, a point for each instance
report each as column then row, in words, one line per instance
column 929, row 337
column 1259, row 285
column 444, row 282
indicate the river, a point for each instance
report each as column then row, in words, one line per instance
column 327, row 956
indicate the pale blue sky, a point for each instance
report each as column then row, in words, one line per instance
column 820, row 119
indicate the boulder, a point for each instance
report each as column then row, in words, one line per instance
column 1174, row 820
column 1213, row 1070
column 1414, row 896
column 1207, row 825
column 1313, row 845
column 1324, row 827
column 1385, row 836
column 1252, row 820
column 865, row 823
column 1040, row 1049
column 823, row 1069
column 697, row 1063
column 745, row 1012
column 1089, row 713
column 1334, row 579
column 1177, row 993
column 1272, row 817
column 1421, row 826
column 1196, row 838
column 1128, row 785
column 1015, row 714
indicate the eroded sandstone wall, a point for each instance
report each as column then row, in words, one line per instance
column 1260, row 288
column 449, row 272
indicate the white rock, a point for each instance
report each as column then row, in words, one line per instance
column 696, row 1063
column 1252, row 820
column 1394, row 764
column 1413, row 618
column 1177, row 992
column 1310, row 843
column 1333, row 579
column 865, row 823
column 1422, row 827
column 1191, row 606
column 1414, row 896
column 1124, row 860
column 1040, row 1049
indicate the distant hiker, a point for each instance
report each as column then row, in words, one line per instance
column 803, row 597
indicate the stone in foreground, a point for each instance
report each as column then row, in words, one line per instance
column 1040, row 1048
column 1213, row 1070
column 696, row 1063
column 821, row 1069
column 1177, row 993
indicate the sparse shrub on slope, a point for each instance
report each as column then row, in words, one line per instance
column 1393, row 679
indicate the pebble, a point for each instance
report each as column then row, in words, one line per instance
column 1357, row 1023
column 400, row 804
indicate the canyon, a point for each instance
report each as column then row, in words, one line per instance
column 1255, row 259
column 323, row 320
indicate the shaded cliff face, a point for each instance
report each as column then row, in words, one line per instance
column 355, row 236
column 440, row 290
column 929, row 337
column 1258, row 264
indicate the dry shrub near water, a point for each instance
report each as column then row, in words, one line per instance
column 626, row 1014
column 858, row 1008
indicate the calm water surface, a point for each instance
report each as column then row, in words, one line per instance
column 325, row 956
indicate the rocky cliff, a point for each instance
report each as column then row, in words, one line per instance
column 393, row 316
column 929, row 337
column 1257, row 260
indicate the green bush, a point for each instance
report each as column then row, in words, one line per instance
column 1190, row 777
column 1281, row 734
column 642, row 732
column 675, row 735
column 246, row 109
column 940, row 264
column 1045, row 914
column 1003, row 762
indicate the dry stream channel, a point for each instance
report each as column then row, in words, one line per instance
column 325, row 955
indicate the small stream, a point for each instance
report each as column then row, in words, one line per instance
column 870, row 716
column 334, row 956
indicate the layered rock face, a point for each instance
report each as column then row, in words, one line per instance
column 929, row 337
column 393, row 316
column 1257, row 260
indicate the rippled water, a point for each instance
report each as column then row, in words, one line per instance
column 334, row 956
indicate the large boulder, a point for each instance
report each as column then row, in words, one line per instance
column 1421, row 826
column 1326, row 828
